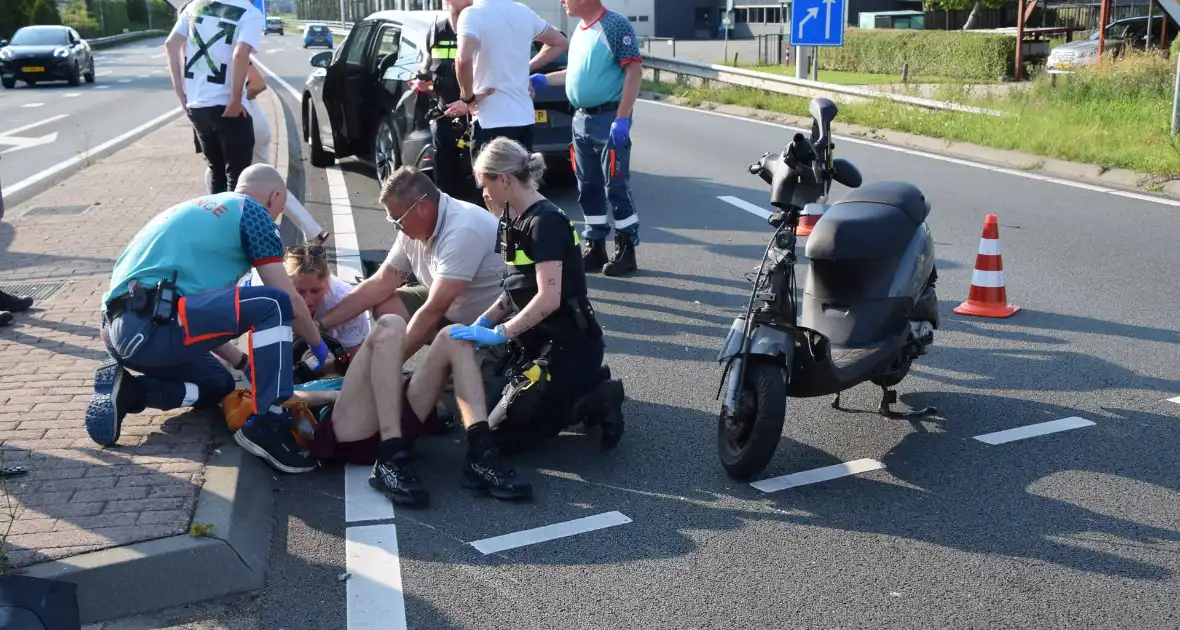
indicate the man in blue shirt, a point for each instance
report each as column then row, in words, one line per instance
column 602, row 80
column 199, row 250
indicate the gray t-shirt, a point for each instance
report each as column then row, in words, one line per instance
column 462, row 248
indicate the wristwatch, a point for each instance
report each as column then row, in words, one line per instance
column 469, row 100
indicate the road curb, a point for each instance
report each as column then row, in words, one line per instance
column 30, row 187
column 281, row 159
column 235, row 505
column 1167, row 190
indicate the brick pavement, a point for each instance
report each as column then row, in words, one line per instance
column 78, row 497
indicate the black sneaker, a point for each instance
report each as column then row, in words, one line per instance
column 396, row 480
column 490, row 474
column 116, row 393
column 13, row 303
column 269, row 437
column 594, row 255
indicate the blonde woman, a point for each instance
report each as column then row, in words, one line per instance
column 307, row 266
column 546, row 289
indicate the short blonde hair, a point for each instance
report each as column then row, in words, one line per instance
column 407, row 185
column 302, row 264
column 505, row 156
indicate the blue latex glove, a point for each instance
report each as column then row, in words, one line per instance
column 539, row 81
column 619, row 130
column 478, row 334
column 321, row 354
column 483, row 322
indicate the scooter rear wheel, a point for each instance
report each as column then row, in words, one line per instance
column 748, row 435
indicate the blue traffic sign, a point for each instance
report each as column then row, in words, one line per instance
column 817, row 22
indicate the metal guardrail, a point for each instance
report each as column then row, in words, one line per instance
column 114, row 39
column 792, row 86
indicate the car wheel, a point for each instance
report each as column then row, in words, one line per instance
column 90, row 72
column 75, row 75
column 8, row 83
column 319, row 157
column 385, row 152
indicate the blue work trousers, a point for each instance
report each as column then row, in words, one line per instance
column 174, row 358
column 604, row 177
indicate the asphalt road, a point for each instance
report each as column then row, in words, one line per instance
column 131, row 87
column 1079, row 528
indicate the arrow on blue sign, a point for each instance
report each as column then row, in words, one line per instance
column 811, row 30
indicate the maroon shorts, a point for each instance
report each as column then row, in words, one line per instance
column 364, row 452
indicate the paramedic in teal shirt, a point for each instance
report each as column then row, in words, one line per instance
column 602, row 79
column 205, row 246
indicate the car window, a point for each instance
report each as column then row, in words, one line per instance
column 407, row 52
column 387, row 44
column 40, row 37
column 354, row 48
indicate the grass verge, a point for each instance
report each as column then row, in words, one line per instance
column 1115, row 115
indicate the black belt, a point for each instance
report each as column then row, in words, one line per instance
column 598, row 109
column 117, row 305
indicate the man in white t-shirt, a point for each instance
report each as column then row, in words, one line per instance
column 495, row 39
column 447, row 244
column 208, row 55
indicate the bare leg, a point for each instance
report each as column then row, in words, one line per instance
column 393, row 306
column 446, row 359
column 371, row 398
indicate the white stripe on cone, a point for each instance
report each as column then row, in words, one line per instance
column 989, row 279
column 989, row 246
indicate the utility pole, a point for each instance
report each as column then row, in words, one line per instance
column 1103, row 16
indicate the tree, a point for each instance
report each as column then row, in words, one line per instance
column 959, row 5
column 13, row 15
column 44, row 12
column 77, row 17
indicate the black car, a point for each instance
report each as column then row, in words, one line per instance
column 359, row 100
column 45, row 53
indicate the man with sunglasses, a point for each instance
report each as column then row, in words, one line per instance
column 449, row 247
column 174, row 299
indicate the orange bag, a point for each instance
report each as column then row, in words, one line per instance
column 238, row 406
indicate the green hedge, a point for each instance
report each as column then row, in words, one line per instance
column 951, row 54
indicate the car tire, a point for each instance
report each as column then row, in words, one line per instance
column 89, row 75
column 75, row 76
column 8, row 83
column 319, row 157
column 386, row 152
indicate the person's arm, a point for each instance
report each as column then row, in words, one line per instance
column 631, row 85
column 465, row 65
column 231, row 355
column 544, row 303
column 553, row 44
column 368, row 294
column 556, row 78
column 255, row 84
column 174, row 47
column 264, row 250
column 274, row 275
column 249, row 40
column 499, row 310
column 625, row 46
column 425, row 321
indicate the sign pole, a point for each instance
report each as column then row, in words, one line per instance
column 1176, row 100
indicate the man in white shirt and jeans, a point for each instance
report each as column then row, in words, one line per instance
column 208, row 56
column 495, row 41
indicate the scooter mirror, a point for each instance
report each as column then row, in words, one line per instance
column 823, row 111
column 846, row 173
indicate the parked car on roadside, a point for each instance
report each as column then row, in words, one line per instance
column 317, row 35
column 1121, row 36
column 358, row 101
column 273, row 25
column 45, row 53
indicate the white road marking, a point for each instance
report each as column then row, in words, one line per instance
column 124, row 80
column 375, row 600
column 101, row 87
column 747, row 206
column 141, row 76
column 160, row 56
column 1175, row 400
column 362, row 503
column 827, row 473
column 12, row 132
column 103, row 73
column 348, row 250
column 85, row 155
column 945, row 158
column 30, row 105
column 71, row 94
column 1033, row 430
column 550, row 532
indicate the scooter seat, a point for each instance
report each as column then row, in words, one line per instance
column 877, row 220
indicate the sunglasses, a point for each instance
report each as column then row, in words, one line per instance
column 397, row 223
column 315, row 251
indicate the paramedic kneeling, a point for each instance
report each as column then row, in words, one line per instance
column 554, row 321
column 174, row 298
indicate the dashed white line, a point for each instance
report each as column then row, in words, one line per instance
column 1175, row 400
column 362, row 503
column 747, row 206
column 1033, row 430
column 550, row 532
column 827, row 473
column 103, row 73
column 141, row 76
column 71, row 94
column 101, row 87
column 30, row 105
column 124, row 80
column 375, row 600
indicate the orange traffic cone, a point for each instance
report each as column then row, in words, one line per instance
column 811, row 214
column 987, row 297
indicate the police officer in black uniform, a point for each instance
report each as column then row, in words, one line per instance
column 558, row 343
column 452, row 166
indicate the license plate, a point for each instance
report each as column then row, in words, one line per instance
column 33, row 69
column 542, row 116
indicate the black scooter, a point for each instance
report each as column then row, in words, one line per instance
column 869, row 308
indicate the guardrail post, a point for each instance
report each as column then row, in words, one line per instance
column 656, row 75
column 673, row 46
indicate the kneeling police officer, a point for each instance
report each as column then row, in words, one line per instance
column 557, row 372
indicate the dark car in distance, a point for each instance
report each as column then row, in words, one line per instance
column 45, row 53
column 360, row 100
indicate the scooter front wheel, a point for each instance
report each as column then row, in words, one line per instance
column 748, row 435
